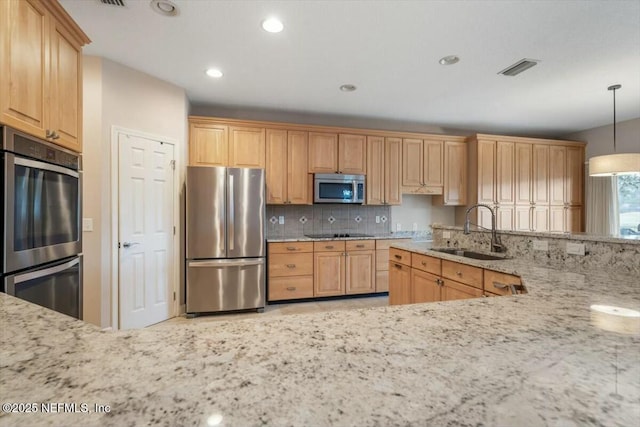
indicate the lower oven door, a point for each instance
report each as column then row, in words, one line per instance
column 57, row 286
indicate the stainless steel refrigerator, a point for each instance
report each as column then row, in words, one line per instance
column 226, row 248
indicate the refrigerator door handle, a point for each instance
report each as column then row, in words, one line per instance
column 226, row 263
column 231, row 220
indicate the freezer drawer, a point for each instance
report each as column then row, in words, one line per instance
column 225, row 285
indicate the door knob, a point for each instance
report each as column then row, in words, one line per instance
column 129, row 244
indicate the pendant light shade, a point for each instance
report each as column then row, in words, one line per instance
column 614, row 164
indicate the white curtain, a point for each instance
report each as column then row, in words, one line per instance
column 602, row 205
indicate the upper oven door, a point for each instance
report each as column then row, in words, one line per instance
column 41, row 212
column 340, row 189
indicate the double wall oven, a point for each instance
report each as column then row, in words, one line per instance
column 41, row 219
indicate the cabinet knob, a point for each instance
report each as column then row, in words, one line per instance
column 55, row 136
column 328, row 247
column 359, row 246
column 398, row 256
column 291, row 288
column 424, row 263
column 291, row 266
column 397, row 266
column 291, row 248
column 459, row 273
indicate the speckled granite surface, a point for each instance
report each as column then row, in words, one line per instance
column 526, row 360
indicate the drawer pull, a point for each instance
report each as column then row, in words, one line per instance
column 499, row 285
column 424, row 263
column 328, row 247
column 397, row 266
column 291, row 248
column 291, row 266
column 291, row 288
column 359, row 246
column 398, row 256
column 459, row 273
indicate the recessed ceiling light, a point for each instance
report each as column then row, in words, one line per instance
column 347, row 88
column 214, row 72
column 449, row 60
column 272, row 25
column 164, row 7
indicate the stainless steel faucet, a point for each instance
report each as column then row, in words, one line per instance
column 496, row 244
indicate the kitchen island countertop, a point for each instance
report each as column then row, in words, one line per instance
column 535, row 359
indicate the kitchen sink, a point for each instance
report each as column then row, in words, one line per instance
column 469, row 254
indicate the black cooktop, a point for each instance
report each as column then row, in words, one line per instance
column 336, row 235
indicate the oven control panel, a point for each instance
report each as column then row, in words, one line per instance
column 41, row 151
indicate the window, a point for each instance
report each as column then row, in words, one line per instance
column 629, row 204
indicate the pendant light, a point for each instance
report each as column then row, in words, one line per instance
column 614, row 164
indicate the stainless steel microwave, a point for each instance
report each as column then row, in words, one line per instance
column 338, row 188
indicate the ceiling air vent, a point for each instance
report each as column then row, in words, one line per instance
column 113, row 2
column 518, row 67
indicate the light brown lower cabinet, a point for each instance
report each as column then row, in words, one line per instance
column 344, row 267
column 328, row 274
column 290, row 271
column 430, row 279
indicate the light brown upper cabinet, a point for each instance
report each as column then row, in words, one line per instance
column 532, row 184
column 41, row 71
column 383, row 166
column 214, row 144
column 333, row 153
column 286, row 167
column 246, row 147
column 208, row 145
column 455, row 175
column 422, row 166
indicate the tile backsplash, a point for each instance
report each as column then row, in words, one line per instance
column 306, row 219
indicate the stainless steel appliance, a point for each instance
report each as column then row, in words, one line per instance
column 56, row 285
column 226, row 245
column 338, row 188
column 41, row 218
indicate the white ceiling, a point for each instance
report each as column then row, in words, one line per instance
column 390, row 51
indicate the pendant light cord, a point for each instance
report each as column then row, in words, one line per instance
column 614, row 88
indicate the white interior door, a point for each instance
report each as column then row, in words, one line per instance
column 146, row 230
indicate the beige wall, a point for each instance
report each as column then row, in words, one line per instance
column 419, row 210
column 115, row 95
column 600, row 140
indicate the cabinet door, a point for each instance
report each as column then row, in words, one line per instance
column 323, row 152
column 455, row 174
column 297, row 154
column 276, row 166
column 412, row 163
column 399, row 284
column 360, row 272
column 208, row 145
column 246, row 147
column 556, row 218
column 328, row 274
column 557, row 167
column 540, row 218
column 505, row 170
column 382, row 281
column 66, row 89
column 352, row 154
column 375, row 170
column 24, row 72
column 504, row 217
column 540, row 174
column 523, row 173
column 523, row 218
column 574, row 176
column 392, row 165
column 433, row 163
column 425, row 286
column 486, row 172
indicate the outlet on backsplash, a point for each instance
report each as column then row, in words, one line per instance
column 540, row 245
column 575, row 248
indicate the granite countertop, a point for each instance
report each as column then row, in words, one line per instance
column 531, row 360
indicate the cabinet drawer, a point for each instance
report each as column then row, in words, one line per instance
column 281, row 288
column 290, row 247
column 498, row 283
column 360, row 245
column 463, row 273
column 398, row 255
column 386, row 243
column 281, row 265
column 329, row 246
column 452, row 290
column 426, row 263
